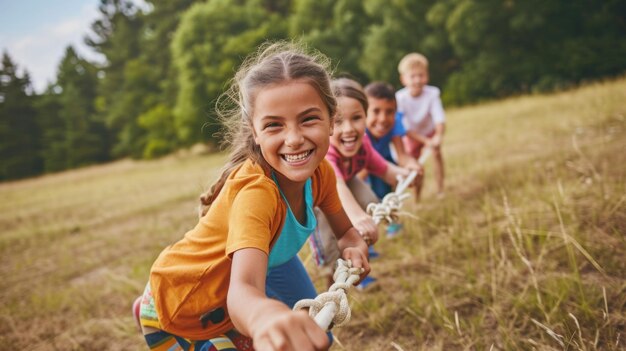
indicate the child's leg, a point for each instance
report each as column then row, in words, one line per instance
column 324, row 244
column 290, row 283
column 324, row 237
column 414, row 149
column 156, row 338
column 439, row 169
column 160, row 340
column 364, row 195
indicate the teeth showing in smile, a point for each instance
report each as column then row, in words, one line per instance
column 348, row 141
column 297, row 157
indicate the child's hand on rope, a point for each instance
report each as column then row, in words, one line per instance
column 289, row 330
column 359, row 259
column 434, row 142
column 413, row 165
column 354, row 249
column 367, row 228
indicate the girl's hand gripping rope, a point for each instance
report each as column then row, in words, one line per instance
column 332, row 308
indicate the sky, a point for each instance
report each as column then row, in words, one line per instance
column 35, row 33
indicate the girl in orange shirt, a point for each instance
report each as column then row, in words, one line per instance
column 209, row 288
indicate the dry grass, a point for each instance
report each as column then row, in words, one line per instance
column 527, row 251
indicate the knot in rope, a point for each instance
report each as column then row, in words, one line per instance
column 387, row 209
column 338, row 297
column 345, row 276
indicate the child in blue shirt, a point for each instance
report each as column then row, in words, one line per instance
column 384, row 128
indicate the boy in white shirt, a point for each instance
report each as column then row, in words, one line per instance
column 423, row 114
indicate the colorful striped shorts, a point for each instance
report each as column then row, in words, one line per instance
column 160, row 340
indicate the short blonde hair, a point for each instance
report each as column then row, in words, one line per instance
column 412, row 61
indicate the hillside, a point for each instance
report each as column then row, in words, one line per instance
column 526, row 251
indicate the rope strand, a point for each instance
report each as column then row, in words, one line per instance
column 331, row 308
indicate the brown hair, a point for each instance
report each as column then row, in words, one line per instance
column 346, row 87
column 380, row 90
column 272, row 64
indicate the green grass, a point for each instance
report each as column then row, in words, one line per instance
column 527, row 251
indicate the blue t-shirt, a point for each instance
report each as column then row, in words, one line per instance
column 293, row 235
column 382, row 145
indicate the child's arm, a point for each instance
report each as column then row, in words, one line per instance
column 417, row 137
column 404, row 159
column 270, row 323
column 351, row 244
column 362, row 174
column 362, row 222
column 391, row 175
column 437, row 139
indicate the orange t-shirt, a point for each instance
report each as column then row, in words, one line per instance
column 192, row 276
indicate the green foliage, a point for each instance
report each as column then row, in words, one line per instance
column 161, row 136
column 211, row 41
column 511, row 47
column 158, row 83
column 163, row 68
column 19, row 132
column 85, row 138
column 117, row 37
column 526, row 250
column 336, row 29
column 53, row 150
column 72, row 135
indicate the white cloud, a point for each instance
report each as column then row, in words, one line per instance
column 41, row 52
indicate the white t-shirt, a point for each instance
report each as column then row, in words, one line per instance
column 423, row 112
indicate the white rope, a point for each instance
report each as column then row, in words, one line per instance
column 390, row 205
column 332, row 306
column 387, row 209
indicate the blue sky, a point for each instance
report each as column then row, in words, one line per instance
column 35, row 33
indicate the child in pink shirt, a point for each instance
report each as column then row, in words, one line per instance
column 366, row 158
column 350, row 152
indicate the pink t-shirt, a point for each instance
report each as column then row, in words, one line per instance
column 367, row 157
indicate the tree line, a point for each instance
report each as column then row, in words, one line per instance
column 166, row 65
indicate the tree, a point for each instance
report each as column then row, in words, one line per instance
column 19, row 132
column 86, row 138
column 155, row 77
column 336, row 28
column 401, row 27
column 72, row 134
column 117, row 36
column 211, row 41
column 510, row 47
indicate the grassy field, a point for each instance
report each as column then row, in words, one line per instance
column 527, row 251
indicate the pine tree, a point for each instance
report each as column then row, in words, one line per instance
column 19, row 132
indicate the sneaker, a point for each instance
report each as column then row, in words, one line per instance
column 371, row 253
column 393, row 230
column 365, row 283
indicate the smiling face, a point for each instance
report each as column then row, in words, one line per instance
column 381, row 115
column 291, row 125
column 415, row 79
column 349, row 126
